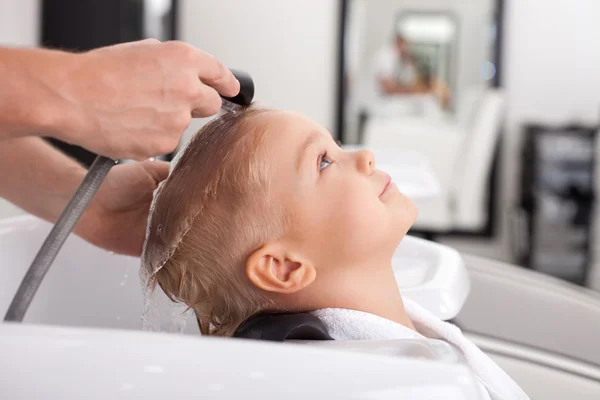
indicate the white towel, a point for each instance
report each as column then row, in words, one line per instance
column 343, row 324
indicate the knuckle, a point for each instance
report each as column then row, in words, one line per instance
column 172, row 44
column 166, row 145
column 212, row 67
column 151, row 41
column 213, row 104
column 192, row 90
column 218, row 70
column 181, row 88
column 190, row 53
column 170, row 48
column 184, row 51
column 181, row 121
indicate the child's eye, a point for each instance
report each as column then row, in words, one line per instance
column 324, row 161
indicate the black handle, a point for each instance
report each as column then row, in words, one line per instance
column 246, row 94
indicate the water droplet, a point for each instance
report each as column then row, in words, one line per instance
column 152, row 158
column 118, row 318
column 126, row 276
column 123, row 283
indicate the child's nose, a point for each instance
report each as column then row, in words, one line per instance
column 365, row 161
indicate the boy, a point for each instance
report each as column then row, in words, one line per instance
column 265, row 212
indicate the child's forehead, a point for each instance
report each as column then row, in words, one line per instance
column 288, row 130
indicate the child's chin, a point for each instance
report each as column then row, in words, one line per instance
column 403, row 226
column 395, row 240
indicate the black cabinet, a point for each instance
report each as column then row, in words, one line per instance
column 557, row 200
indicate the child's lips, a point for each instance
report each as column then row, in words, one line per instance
column 387, row 186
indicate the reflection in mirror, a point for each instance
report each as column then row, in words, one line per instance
column 408, row 58
column 431, row 42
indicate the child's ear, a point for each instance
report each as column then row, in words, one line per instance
column 273, row 269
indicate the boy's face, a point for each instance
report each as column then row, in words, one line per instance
column 343, row 210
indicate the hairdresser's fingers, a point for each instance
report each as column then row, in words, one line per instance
column 207, row 103
column 158, row 170
column 213, row 73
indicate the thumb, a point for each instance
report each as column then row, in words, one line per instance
column 158, row 170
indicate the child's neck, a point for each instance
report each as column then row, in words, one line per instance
column 375, row 292
column 381, row 296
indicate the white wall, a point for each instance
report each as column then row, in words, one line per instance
column 289, row 47
column 552, row 63
column 19, row 24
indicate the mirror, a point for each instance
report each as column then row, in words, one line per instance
column 409, row 58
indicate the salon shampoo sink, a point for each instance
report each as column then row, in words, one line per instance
column 432, row 275
column 89, row 287
column 81, row 337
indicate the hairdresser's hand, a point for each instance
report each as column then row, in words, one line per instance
column 134, row 100
column 117, row 217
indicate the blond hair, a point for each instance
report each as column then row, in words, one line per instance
column 212, row 212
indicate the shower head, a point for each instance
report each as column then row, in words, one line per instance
column 244, row 97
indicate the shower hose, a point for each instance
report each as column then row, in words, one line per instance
column 56, row 238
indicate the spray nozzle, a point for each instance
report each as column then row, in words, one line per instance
column 246, row 94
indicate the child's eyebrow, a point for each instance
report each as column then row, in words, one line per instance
column 313, row 138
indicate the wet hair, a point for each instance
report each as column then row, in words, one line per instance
column 213, row 211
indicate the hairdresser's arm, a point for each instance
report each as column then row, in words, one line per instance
column 42, row 180
column 36, row 177
column 131, row 100
column 390, row 86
